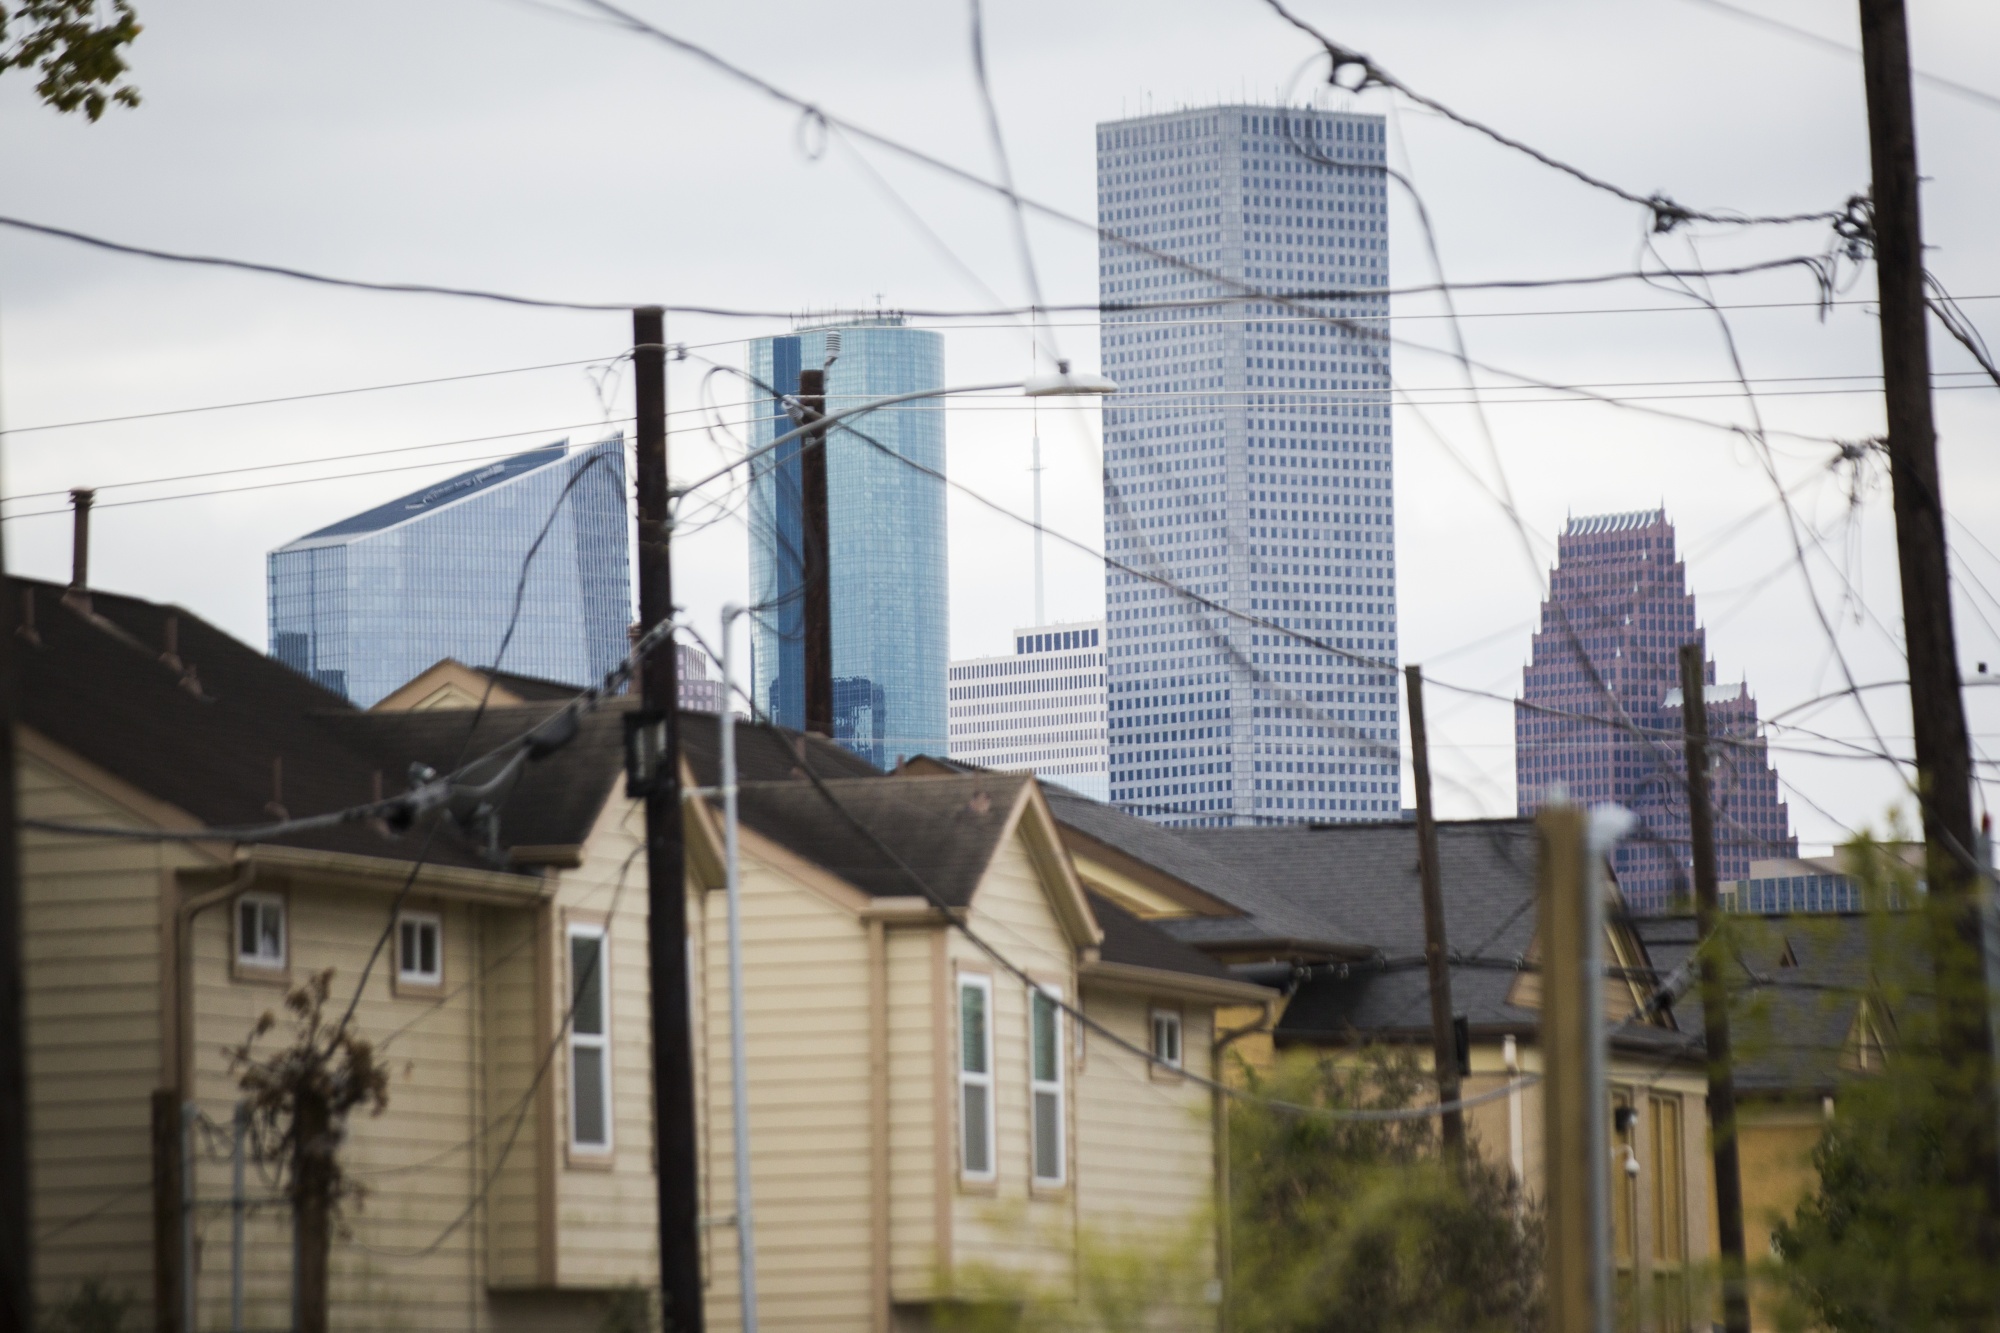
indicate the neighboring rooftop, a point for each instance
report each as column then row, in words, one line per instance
column 1797, row 986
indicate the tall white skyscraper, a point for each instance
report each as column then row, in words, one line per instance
column 1248, row 460
column 1039, row 709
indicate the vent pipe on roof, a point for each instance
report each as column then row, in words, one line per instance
column 80, row 499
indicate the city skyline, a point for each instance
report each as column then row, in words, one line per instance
column 1249, row 463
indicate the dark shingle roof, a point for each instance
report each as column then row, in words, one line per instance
column 229, row 734
column 1355, row 886
column 1359, row 882
column 1137, row 943
column 943, row 829
column 1163, row 848
column 1795, row 985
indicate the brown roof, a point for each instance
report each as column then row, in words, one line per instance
column 943, row 830
column 234, row 738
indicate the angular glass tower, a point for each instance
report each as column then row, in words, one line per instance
column 1249, row 458
column 364, row 604
column 1600, row 711
column 886, row 541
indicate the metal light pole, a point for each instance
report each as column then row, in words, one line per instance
column 739, row 1080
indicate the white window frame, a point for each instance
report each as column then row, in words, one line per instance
column 1168, row 1020
column 597, row 1041
column 249, row 956
column 421, row 922
column 976, row 1080
column 1055, row 1090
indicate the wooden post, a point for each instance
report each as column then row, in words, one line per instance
column 818, row 563
column 167, row 1212
column 676, row 1163
column 1566, row 1083
column 1937, row 712
column 1444, row 1046
column 312, row 1207
column 1714, row 995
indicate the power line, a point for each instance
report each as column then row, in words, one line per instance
column 1938, row 81
column 1666, row 213
column 302, row 397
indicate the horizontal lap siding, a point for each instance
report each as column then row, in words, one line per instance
column 806, row 1000
column 417, row 1159
column 1147, row 1140
column 515, row 1048
column 606, row 1220
column 913, row 1118
column 91, row 923
column 1006, row 1225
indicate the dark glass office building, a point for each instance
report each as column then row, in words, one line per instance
column 1599, row 718
column 364, row 604
column 886, row 540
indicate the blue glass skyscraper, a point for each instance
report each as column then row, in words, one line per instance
column 886, row 540
column 1248, row 459
column 364, row 604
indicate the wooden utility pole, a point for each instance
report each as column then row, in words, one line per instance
column 16, row 1253
column 818, row 566
column 1937, row 712
column 1444, row 1045
column 1567, row 1085
column 1714, row 994
column 312, row 1207
column 675, row 1159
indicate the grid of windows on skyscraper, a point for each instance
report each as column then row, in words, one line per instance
column 1599, row 718
column 1249, row 466
column 885, row 540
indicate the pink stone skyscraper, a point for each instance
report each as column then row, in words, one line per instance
column 1599, row 715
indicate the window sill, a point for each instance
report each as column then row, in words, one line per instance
column 988, row 1188
column 416, row 990
column 260, row 974
column 589, row 1159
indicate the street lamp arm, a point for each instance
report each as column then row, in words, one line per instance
column 1041, row 386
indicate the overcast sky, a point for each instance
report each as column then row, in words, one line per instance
column 519, row 146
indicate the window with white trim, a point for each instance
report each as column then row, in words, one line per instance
column 975, row 1077
column 260, row 930
column 420, row 949
column 1167, row 1037
column 1045, row 1073
column 589, row 1041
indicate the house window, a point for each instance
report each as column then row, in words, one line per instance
column 589, row 1042
column 420, row 949
column 260, row 930
column 1046, row 1083
column 975, row 1077
column 1167, row 1038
